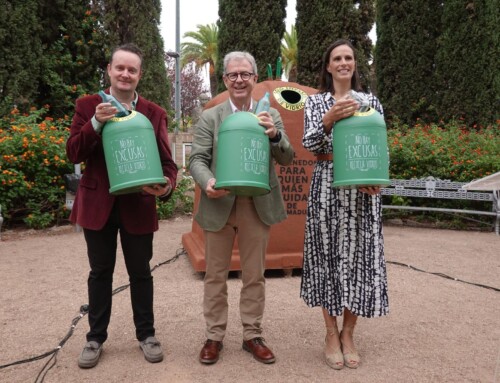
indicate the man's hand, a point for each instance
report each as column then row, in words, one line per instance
column 266, row 121
column 159, row 190
column 213, row 193
column 105, row 112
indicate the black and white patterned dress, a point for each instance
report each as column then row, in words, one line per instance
column 344, row 265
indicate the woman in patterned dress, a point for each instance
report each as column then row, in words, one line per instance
column 344, row 269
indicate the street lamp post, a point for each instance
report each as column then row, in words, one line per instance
column 177, row 64
column 176, row 56
column 177, row 89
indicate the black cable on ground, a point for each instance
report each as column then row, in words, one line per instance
column 47, row 366
column 83, row 311
column 443, row 276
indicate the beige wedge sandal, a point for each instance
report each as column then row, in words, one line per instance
column 351, row 357
column 333, row 357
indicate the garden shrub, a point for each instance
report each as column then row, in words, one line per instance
column 447, row 152
column 182, row 199
column 32, row 167
column 32, row 164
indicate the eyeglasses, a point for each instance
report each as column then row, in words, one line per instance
column 233, row 76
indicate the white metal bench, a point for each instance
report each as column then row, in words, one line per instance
column 431, row 187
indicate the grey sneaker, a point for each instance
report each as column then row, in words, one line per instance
column 90, row 355
column 152, row 349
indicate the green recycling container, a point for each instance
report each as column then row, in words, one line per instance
column 360, row 151
column 131, row 154
column 243, row 151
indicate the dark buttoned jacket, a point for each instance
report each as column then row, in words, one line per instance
column 93, row 202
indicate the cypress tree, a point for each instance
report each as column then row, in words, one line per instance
column 468, row 69
column 364, row 13
column 137, row 21
column 320, row 22
column 407, row 37
column 255, row 26
column 20, row 53
column 72, row 51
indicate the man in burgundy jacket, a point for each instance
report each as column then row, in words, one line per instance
column 103, row 215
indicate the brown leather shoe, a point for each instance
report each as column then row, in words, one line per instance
column 259, row 350
column 209, row 354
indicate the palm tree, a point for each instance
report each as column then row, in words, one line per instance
column 201, row 51
column 289, row 54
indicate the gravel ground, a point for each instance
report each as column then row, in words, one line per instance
column 438, row 329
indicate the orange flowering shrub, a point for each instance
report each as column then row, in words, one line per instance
column 445, row 151
column 32, row 164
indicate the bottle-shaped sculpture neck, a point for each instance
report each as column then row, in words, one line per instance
column 122, row 111
column 264, row 104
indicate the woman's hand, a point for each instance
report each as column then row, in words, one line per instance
column 372, row 190
column 343, row 108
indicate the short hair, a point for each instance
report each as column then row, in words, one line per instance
column 239, row 56
column 325, row 78
column 128, row 47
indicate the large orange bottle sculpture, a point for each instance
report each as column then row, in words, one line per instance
column 286, row 242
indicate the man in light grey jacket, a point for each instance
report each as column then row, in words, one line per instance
column 223, row 215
